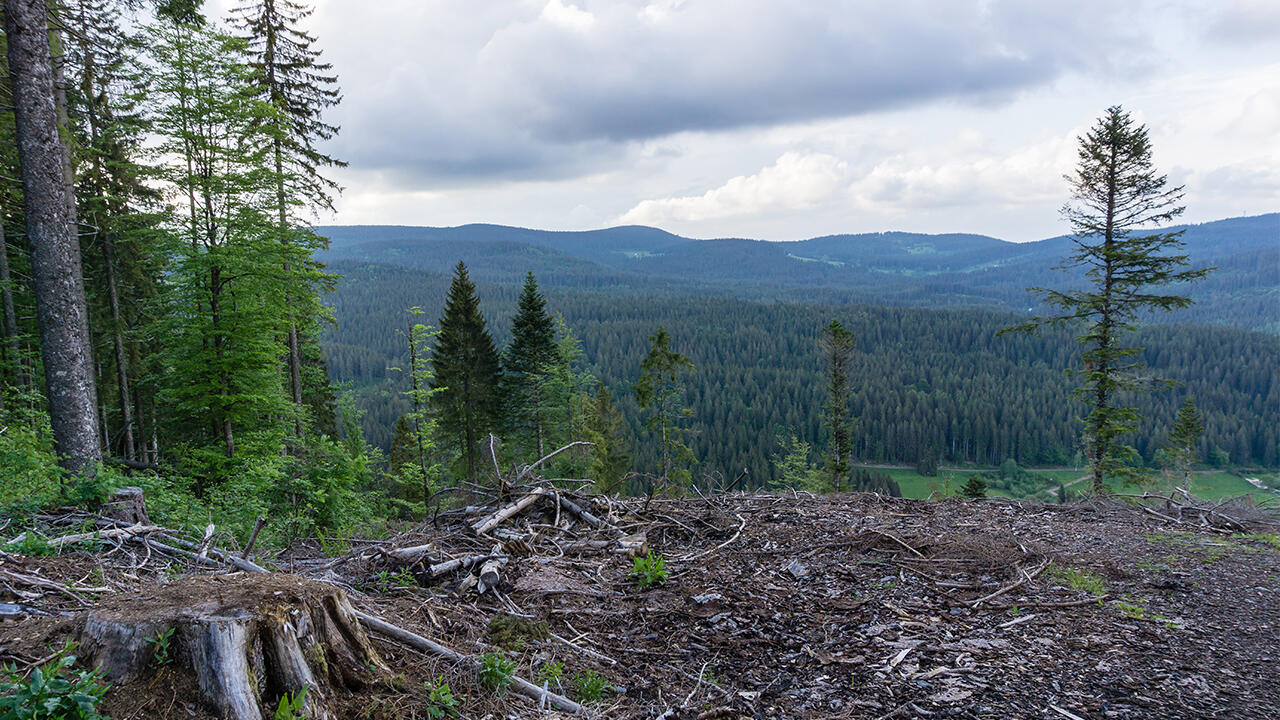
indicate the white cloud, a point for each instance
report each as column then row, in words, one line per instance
column 797, row 181
column 571, row 17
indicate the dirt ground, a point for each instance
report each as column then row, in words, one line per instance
column 783, row 606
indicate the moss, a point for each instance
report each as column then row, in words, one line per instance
column 512, row 632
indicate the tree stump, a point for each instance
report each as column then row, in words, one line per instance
column 248, row 639
column 127, row 505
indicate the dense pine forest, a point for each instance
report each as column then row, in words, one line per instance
column 926, row 383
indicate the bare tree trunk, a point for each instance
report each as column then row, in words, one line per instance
column 117, row 337
column 61, row 312
column 10, row 351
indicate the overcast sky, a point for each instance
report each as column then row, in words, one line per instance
column 785, row 119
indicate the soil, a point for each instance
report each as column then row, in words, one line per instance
column 789, row 606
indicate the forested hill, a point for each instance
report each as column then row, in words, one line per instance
column 926, row 382
column 941, row 271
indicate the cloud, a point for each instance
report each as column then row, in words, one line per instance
column 454, row 90
column 795, row 182
column 1246, row 21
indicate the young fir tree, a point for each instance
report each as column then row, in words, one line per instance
column 289, row 76
column 564, row 399
column 531, row 350
column 1183, row 439
column 1117, row 197
column 467, row 373
column 414, row 463
column 660, row 391
column 837, row 345
column 606, row 428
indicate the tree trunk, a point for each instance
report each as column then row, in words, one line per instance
column 11, row 354
column 61, row 312
column 248, row 640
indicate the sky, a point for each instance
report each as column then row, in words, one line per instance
column 785, row 120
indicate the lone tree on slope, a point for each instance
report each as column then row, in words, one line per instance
column 1117, row 197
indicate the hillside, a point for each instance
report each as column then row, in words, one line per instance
column 941, row 271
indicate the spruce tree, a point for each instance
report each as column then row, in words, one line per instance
column 837, row 345
column 531, row 350
column 467, row 373
column 57, row 277
column 1183, row 439
column 611, row 455
column 1116, row 197
column 660, row 391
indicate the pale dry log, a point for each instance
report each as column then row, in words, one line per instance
column 407, row 555
column 502, row 514
column 418, row 642
column 125, row 532
column 585, row 516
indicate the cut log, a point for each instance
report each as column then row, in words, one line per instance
column 138, row 529
column 587, row 517
column 497, row 518
column 491, row 570
column 126, row 505
column 248, row 639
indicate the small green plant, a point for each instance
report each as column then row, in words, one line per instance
column 1079, row 579
column 590, row 686
column 290, row 706
column 550, row 672
column 160, row 646
column 496, row 671
column 441, row 702
column 33, row 545
column 54, row 690
column 649, row 569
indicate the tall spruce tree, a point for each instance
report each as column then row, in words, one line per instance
column 289, row 76
column 531, row 350
column 660, row 391
column 837, row 345
column 1117, row 197
column 57, row 279
column 467, row 373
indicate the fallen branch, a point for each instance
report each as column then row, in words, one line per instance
column 554, row 453
column 413, row 640
column 501, row 515
column 136, row 529
column 1025, row 579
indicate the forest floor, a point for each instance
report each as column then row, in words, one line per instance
column 784, row 606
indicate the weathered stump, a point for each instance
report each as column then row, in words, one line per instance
column 248, row 639
column 127, row 505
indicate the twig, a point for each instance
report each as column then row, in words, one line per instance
column 1025, row 579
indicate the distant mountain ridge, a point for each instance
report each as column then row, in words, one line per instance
column 895, row 268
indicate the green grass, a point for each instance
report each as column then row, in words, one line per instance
column 1081, row 580
column 1213, row 486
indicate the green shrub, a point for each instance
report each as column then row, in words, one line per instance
column 589, row 686
column 650, row 569
column 550, row 672
column 53, row 691
column 441, row 702
column 496, row 671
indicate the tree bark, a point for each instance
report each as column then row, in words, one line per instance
column 11, row 352
column 61, row 312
